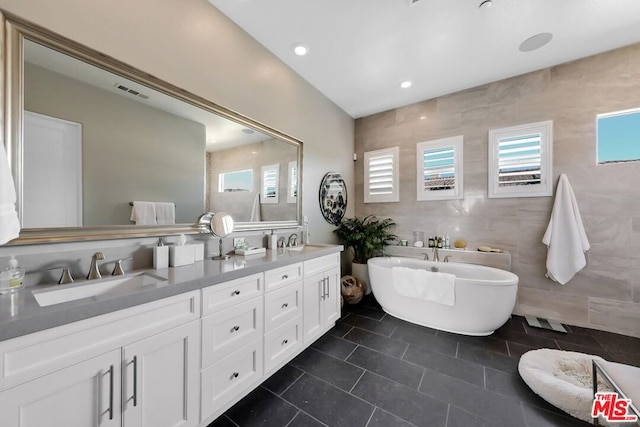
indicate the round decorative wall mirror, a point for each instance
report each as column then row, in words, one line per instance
column 333, row 197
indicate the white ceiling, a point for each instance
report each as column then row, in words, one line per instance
column 361, row 50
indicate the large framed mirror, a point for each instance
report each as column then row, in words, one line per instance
column 87, row 136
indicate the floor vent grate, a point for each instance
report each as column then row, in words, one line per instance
column 542, row 323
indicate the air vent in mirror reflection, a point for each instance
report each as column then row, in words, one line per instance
column 131, row 91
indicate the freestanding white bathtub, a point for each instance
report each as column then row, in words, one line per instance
column 484, row 296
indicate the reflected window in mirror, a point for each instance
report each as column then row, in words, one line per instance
column 520, row 160
column 270, row 183
column 292, row 182
column 617, row 136
column 236, row 181
column 439, row 169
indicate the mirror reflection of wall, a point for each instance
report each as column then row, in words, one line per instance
column 155, row 156
column 135, row 144
column 250, row 160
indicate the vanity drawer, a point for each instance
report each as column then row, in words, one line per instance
column 279, row 277
column 224, row 380
column 229, row 330
column 321, row 264
column 282, row 343
column 282, row 305
column 224, row 295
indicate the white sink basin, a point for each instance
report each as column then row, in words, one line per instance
column 93, row 288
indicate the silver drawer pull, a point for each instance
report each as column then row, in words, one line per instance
column 234, row 375
column 285, row 305
column 285, row 342
column 284, row 276
column 236, row 292
column 235, row 328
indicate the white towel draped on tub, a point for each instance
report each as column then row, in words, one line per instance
column 165, row 213
column 565, row 236
column 144, row 213
column 425, row 285
column 9, row 224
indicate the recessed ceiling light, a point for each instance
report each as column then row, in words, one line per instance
column 247, row 130
column 535, row 42
column 300, row 49
column 486, row 4
column 405, row 84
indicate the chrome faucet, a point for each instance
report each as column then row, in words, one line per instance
column 293, row 240
column 426, row 256
column 436, row 258
column 94, row 272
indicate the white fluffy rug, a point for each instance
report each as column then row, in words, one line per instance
column 562, row 378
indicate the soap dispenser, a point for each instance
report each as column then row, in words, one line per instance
column 11, row 278
column 160, row 255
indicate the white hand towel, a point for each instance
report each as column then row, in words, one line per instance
column 255, row 209
column 9, row 224
column 425, row 285
column 144, row 213
column 565, row 236
column 165, row 212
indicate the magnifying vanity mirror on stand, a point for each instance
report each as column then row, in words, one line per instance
column 88, row 135
column 219, row 225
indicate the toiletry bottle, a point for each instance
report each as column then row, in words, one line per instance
column 12, row 278
column 447, row 242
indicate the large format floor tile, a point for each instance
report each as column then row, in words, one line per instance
column 373, row 370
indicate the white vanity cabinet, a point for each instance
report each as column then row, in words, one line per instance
column 82, row 395
column 87, row 373
column 232, row 341
column 283, row 315
column 321, row 295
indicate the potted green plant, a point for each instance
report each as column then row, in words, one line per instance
column 366, row 237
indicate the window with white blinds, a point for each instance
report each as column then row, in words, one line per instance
column 381, row 175
column 520, row 160
column 270, row 182
column 292, row 183
column 439, row 169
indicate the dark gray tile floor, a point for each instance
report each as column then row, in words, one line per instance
column 373, row 370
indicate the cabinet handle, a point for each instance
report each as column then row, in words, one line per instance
column 236, row 292
column 284, row 276
column 234, row 375
column 135, row 381
column 327, row 279
column 235, row 328
column 284, row 342
column 321, row 289
column 285, row 305
column 111, row 392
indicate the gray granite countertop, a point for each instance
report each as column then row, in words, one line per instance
column 20, row 313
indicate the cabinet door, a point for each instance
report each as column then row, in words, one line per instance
column 312, row 307
column 82, row 395
column 331, row 301
column 160, row 379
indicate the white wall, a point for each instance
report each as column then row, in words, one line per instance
column 190, row 44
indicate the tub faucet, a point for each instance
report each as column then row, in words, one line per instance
column 435, row 255
column 426, row 256
column 293, row 240
column 94, row 272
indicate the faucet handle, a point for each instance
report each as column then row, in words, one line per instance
column 426, row 256
column 117, row 269
column 66, row 274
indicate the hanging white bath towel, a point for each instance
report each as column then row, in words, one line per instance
column 9, row 224
column 143, row 213
column 565, row 236
column 165, row 213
